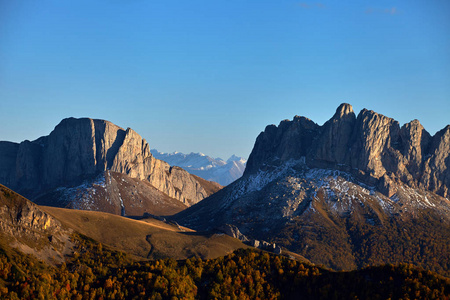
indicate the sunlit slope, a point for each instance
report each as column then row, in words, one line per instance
column 145, row 238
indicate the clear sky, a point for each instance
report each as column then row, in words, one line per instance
column 208, row 76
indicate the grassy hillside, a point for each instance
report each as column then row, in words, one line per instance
column 148, row 238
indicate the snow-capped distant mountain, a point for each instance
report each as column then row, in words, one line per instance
column 206, row 167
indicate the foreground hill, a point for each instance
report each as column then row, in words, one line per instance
column 145, row 238
column 47, row 233
column 353, row 192
column 24, row 226
column 213, row 169
column 82, row 151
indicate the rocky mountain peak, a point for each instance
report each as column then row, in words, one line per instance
column 371, row 146
column 344, row 110
column 79, row 149
column 324, row 191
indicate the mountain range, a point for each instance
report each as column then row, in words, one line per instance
column 356, row 191
column 206, row 167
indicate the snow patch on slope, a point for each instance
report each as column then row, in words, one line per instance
column 81, row 196
column 338, row 192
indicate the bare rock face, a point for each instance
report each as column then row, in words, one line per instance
column 415, row 142
column 334, row 141
column 233, row 231
column 436, row 166
column 16, row 211
column 132, row 155
column 374, row 136
column 8, row 157
column 290, row 140
column 371, row 146
column 79, row 149
column 25, row 226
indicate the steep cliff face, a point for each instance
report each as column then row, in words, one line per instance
column 436, row 166
column 80, row 149
column 371, row 146
column 333, row 141
column 16, row 211
column 8, row 158
column 25, row 226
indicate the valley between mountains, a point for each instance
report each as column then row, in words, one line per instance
column 90, row 212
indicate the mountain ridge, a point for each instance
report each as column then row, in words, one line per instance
column 371, row 146
column 80, row 149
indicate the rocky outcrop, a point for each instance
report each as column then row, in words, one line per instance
column 16, row 211
column 436, row 166
column 333, row 143
column 290, row 140
column 79, row 149
column 24, row 226
column 371, row 146
column 233, row 231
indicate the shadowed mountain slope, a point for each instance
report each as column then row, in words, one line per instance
column 114, row 193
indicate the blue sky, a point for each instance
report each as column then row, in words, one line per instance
column 208, row 76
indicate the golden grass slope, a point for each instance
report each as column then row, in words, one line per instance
column 148, row 238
